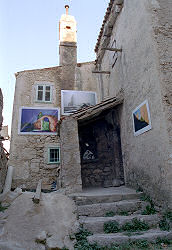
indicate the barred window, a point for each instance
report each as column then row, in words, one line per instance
column 54, row 155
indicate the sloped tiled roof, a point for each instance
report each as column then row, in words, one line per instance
column 108, row 11
column 93, row 111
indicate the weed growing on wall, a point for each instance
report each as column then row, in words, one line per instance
column 133, row 226
column 111, row 227
column 166, row 222
column 2, row 208
column 149, row 210
column 110, row 214
column 124, row 213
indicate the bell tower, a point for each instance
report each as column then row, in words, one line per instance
column 68, row 39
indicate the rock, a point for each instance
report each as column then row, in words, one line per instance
column 116, row 183
column 107, row 183
column 10, row 245
column 75, row 228
column 11, row 196
column 27, row 221
column 41, row 238
column 107, row 169
column 69, row 243
column 54, row 243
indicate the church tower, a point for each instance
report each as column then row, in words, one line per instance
column 68, row 39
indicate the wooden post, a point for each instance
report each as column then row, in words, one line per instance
column 112, row 49
column 37, row 195
column 8, row 180
column 101, row 72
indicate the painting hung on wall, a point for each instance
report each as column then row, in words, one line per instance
column 74, row 100
column 141, row 118
column 38, row 120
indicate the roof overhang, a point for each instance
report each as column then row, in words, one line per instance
column 94, row 111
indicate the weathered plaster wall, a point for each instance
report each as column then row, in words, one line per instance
column 136, row 70
column 70, row 154
column 84, row 78
column 3, row 158
column 28, row 153
column 162, row 27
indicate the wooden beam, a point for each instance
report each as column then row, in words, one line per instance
column 112, row 49
column 101, row 72
column 37, row 195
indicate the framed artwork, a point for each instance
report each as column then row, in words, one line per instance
column 36, row 120
column 141, row 118
column 72, row 100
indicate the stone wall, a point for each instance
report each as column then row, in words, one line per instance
column 29, row 153
column 84, row 78
column 137, row 71
column 162, row 28
column 70, row 154
column 1, row 108
column 3, row 166
column 3, row 157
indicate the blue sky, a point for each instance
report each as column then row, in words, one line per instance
column 29, row 37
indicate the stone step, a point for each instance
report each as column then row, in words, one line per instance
column 96, row 224
column 105, row 195
column 119, row 238
column 10, row 245
column 100, row 209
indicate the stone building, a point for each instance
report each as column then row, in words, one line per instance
column 3, row 155
column 29, row 154
column 126, row 136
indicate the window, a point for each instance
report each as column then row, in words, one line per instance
column 54, row 155
column 44, row 93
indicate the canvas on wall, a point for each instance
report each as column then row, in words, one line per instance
column 38, row 120
column 141, row 118
column 72, row 101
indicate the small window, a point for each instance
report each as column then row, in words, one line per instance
column 44, row 93
column 53, row 155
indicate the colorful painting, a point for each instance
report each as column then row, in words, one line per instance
column 141, row 118
column 38, row 120
column 74, row 100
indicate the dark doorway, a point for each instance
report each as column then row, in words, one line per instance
column 100, row 150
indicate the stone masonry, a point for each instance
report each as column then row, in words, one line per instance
column 134, row 54
column 3, row 157
column 142, row 30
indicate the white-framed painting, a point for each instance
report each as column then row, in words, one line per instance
column 73, row 100
column 38, row 120
column 141, row 118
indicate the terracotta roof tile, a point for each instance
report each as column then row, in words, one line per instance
column 108, row 11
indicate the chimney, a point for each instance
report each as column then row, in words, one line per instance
column 67, row 9
column 68, row 39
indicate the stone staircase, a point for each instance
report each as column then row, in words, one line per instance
column 124, row 206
